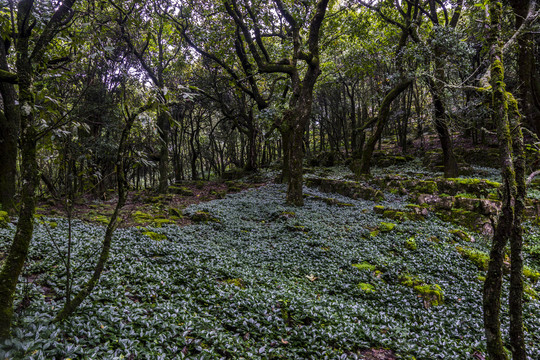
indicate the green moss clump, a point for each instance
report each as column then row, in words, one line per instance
column 461, row 234
column 4, row 219
column 236, row 282
column 410, row 280
column 431, row 293
column 101, row 219
column 365, row 266
column 203, row 217
column 426, row 187
column 155, row 236
column 531, row 274
column 386, row 227
column 479, row 258
column 411, row 244
column 161, row 222
column 180, row 190
column 140, row 217
column 367, row 288
column 379, row 209
column 530, row 293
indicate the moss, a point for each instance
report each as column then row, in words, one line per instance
column 175, row 212
column 101, row 219
column 203, row 216
column 466, row 196
column 531, row 274
column 155, row 236
column 367, row 288
column 161, row 222
column 236, row 282
column 461, row 234
column 477, row 257
column 481, row 278
column 410, row 280
column 374, row 233
column 411, row 244
column 530, row 293
column 386, row 227
column 180, row 190
column 365, row 266
column 141, row 217
column 4, row 219
column 431, row 293
column 426, row 187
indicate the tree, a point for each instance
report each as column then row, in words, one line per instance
column 9, row 124
column 28, row 60
column 504, row 108
column 157, row 51
column 299, row 31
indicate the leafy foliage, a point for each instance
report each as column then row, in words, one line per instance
column 266, row 281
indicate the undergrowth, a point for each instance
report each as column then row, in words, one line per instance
column 266, row 281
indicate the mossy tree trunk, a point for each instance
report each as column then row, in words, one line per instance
column 9, row 134
column 517, row 336
column 26, row 62
column 509, row 224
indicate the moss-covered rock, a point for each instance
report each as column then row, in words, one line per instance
column 469, row 219
column 365, row 266
column 477, row 257
column 160, row 222
column 462, row 235
column 140, row 217
column 180, row 190
column 411, row 244
column 351, row 189
column 432, row 294
column 155, row 236
column 203, row 216
column 386, row 226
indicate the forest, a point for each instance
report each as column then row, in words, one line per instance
column 279, row 179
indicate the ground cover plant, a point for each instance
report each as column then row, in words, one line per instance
column 266, row 280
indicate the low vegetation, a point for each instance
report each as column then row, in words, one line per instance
column 257, row 278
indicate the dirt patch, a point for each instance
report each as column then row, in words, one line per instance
column 377, row 354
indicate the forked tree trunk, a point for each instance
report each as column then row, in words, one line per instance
column 382, row 118
column 71, row 305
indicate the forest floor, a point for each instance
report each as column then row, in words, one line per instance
column 372, row 275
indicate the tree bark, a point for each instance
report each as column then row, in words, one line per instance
column 25, row 63
column 525, row 61
column 9, row 134
column 494, row 277
column 382, row 118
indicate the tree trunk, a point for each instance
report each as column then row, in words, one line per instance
column 163, row 130
column 451, row 169
column 494, row 277
column 382, row 118
column 86, row 289
column 525, row 63
column 9, row 133
column 25, row 226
